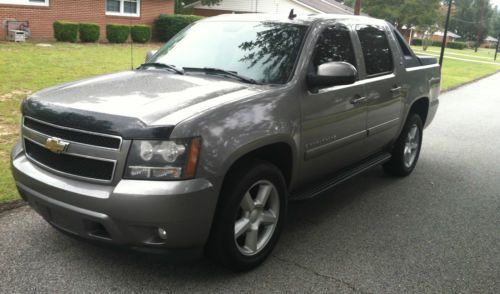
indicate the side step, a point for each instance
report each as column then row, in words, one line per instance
column 341, row 177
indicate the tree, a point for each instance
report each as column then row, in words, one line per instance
column 179, row 4
column 472, row 20
column 404, row 12
column 495, row 23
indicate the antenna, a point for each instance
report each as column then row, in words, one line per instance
column 292, row 15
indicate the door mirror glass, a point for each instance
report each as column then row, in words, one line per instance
column 332, row 74
column 150, row 54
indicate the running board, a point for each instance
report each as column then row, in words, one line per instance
column 341, row 177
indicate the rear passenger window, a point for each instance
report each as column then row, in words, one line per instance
column 333, row 45
column 376, row 50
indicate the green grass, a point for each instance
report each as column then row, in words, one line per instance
column 26, row 68
column 486, row 55
column 457, row 72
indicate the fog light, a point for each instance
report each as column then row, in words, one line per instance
column 162, row 233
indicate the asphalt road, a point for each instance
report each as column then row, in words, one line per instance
column 435, row 231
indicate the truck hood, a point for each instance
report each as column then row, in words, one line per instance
column 117, row 103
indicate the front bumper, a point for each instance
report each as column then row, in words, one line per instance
column 128, row 214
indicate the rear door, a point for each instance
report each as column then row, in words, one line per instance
column 384, row 100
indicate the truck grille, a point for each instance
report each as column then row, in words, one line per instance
column 70, row 164
column 88, row 156
column 73, row 135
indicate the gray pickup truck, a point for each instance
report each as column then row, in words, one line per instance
column 200, row 148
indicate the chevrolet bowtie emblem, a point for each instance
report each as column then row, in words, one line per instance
column 56, row 145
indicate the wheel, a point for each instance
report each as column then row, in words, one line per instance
column 250, row 216
column 407, row 148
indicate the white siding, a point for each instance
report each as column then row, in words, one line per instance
column 261, row 6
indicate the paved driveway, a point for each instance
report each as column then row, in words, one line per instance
column 435, row 231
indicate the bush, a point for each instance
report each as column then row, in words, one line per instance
column 456, row 45
column 416, row 42
column 89, row 32
column 65, row 31
column 167, row 26
column 116, row 33
column 140, row 34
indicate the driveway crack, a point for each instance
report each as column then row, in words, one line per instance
column 318, row 274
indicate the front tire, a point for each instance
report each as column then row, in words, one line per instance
column 407, row 148
column 250, row 216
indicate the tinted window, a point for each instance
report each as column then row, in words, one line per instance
column 263, row 51
column 334, row 44
column 375, row 46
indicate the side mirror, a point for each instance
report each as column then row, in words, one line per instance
column 332, row 74
column 150, row 54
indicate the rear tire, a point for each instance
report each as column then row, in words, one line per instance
column 250, row 216
column 407, row 148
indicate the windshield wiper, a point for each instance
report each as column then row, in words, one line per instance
column 213, row 70
column 163, row 65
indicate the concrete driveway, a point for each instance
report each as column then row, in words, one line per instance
column 435, row 231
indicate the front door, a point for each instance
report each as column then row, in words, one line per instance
column 333, row 119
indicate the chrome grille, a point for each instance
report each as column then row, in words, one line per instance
column 90, row 156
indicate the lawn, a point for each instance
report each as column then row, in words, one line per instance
column 26, row 68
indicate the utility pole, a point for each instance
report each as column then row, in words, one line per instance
column 480, row 27
column 357, row 7
column 496, row 50
column 445, row 35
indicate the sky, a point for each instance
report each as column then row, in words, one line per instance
column 495, row 2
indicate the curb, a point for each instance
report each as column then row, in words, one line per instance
column 12, row 205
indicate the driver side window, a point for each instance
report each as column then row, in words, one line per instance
column 334, row 45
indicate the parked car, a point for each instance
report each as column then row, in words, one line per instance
column 201, row 148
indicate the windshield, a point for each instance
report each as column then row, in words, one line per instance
column 263, row 51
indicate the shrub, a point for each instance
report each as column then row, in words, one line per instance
column 65, row 31
column 89, row 32
column 416, row 42
column 456, row 45
column 167, row 26
column 140, row 34
column 116, row 33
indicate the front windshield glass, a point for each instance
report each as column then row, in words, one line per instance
column 263, row 51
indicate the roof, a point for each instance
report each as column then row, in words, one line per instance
column 450, row 34
column 491, row 39
column 327, row 6
column 305, row 19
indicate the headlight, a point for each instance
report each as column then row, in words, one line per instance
column 163, row 160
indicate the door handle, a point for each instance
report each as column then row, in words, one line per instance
column 396, row 89
column 358, row 100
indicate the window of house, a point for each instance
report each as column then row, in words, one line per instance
column 333, row 45
column 376, row 50
column 123, row 7
column 26, row 2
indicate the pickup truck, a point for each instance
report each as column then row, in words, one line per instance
column 200, row 149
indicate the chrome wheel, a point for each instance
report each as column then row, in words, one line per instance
column 412, row 143
column 257, row 218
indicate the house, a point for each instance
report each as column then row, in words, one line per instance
column 41, row 14
column 490, row 42
column 271, row 6
column 451, row 37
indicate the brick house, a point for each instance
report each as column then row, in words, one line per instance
column 41, row 14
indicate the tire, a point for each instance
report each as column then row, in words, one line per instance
column 406, row 150
column 252, row 216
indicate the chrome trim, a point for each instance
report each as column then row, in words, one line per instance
column 72, row 154
column 383, row 126
column 75, row 130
